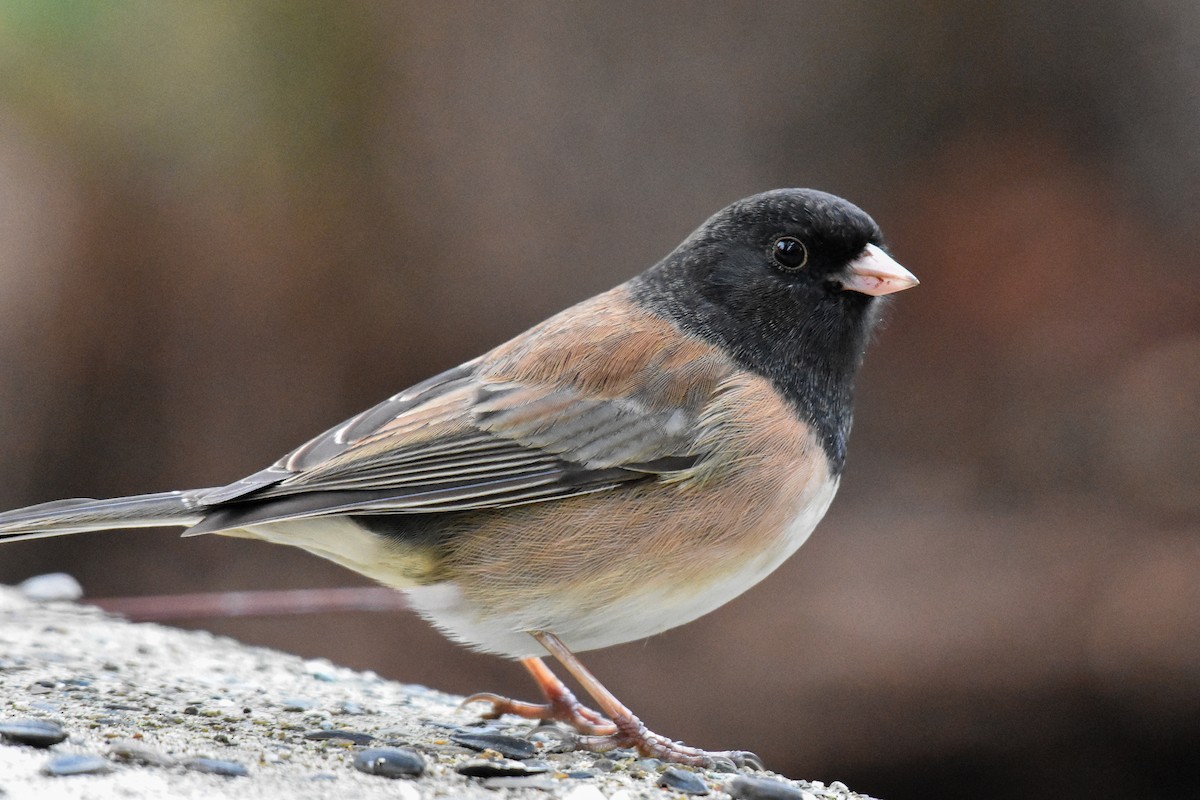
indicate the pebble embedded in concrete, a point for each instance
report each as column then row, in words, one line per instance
column 681, row 780
column 390, row 762
column 76, row 764
column 507, row 746
column 32, row 732
column 747, row 787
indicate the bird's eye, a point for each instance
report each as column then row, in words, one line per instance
column 789, row 253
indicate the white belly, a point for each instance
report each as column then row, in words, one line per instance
column 626, row 617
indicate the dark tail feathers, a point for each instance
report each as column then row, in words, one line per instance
column 81, row 515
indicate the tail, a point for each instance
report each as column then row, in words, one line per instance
column 63, row 517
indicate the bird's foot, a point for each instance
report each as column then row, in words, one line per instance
column 560, row 708
column 631, row 732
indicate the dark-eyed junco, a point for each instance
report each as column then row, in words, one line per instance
column 622, row 468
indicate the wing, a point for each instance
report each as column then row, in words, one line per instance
column 596, row 397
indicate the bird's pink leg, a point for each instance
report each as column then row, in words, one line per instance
column 560, row 704
column 629, row 731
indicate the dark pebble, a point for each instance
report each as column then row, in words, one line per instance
column 390, row 762
column 76, row 764
column 580, row 774
column 216, row 766
column 744, row 787
column 192, row 710
column 33, row 732
column 507, row 746
column 649, row 764
column 683, row 781
column 354, row 737
column 498, row 769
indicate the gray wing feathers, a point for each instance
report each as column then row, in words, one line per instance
column 597, row 433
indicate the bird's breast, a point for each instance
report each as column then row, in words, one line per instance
column 615, row 566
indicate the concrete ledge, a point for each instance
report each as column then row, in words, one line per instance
column 155, row 707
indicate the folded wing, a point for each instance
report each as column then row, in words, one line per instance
column 562, row 410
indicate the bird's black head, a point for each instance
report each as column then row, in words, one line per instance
column 788, row 283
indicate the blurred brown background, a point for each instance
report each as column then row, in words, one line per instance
column 225, row 226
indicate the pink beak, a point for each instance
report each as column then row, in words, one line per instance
column 875, row 273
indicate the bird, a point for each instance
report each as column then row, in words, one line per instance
column 622, row 468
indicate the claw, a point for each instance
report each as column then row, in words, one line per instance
column 499, row 704
column 632, row 733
